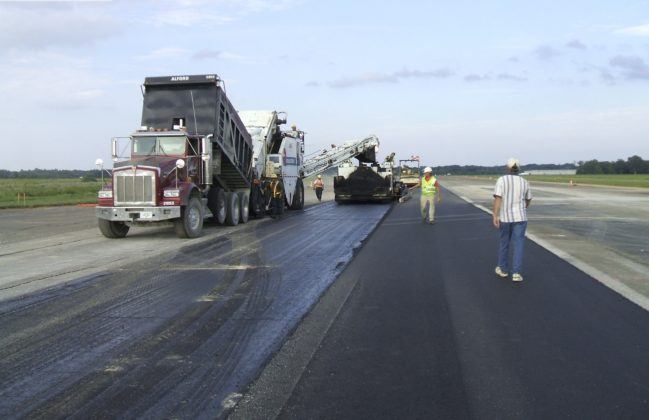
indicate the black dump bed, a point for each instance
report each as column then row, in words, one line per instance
column 200, row 104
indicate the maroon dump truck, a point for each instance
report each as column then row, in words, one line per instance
column 191, row 153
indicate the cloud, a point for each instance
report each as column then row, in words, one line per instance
column 312, row 83
column 546, row 52
column 68, row 83
column 510, row 77
column 42, row 26
column 164, row 53
column 395, row 77
column 640, row 30
column 606, row 76
column 576, row 44
column 416, row 74
column 189, row 17
column 215, row 55
column 631, row 66
column 210, row 12
column 476, row 77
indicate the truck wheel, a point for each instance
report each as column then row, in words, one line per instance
column 112, row 229
column 233, row 213
column 298, row 197
column 190, row 224
column 216, row 203
column 244, row 207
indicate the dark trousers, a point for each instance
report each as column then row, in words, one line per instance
column 277, row 207
column 318, row 193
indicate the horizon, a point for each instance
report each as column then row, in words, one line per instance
column 453, row 82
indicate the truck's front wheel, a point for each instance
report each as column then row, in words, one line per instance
column 190, row 224
column 112, row 229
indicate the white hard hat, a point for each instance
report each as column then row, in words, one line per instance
column 513, row 162
column 320, row 176
column 428, row 170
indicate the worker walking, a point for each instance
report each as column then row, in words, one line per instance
column 512, row 197
column 429, row 189
column 318, row 187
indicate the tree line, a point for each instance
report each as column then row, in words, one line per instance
column 633, row 165
column 493, row 170
column 50, row 173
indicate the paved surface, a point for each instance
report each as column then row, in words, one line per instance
column 427, row 331
column 603, row 230
column 47, row 247
column 179, row 334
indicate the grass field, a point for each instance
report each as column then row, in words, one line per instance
column 641, row 181
column 47, row 192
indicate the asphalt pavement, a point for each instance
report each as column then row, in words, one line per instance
column 428, row 331
column 178, row 334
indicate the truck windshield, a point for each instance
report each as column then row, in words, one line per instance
column 163, row 145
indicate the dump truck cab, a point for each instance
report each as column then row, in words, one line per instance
column 192, row 153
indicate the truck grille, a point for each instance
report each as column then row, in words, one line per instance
column 134, row 187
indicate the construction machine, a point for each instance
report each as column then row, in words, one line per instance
column 368, row 181
column 277, row 157
column 409, row 171
column 194, row 152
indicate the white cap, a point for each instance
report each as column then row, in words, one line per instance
column 428, row 170
column 511, row 162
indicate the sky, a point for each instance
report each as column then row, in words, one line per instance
column 455, row 82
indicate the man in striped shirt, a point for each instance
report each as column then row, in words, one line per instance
column 512, row 197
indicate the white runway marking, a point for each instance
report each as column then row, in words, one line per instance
column 610, row 282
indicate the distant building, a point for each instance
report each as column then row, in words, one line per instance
column 551, row 172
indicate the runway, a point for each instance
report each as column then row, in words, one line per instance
column 176, row 334
column 426, row 330
column 333, row 312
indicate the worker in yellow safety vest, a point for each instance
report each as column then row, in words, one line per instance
column 276, row 194
column 429, row 189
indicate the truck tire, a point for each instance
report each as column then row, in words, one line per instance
column 233, row 212
column 190, row 224
column 298, row 197
column 216, row 204
column 112, row 229
column 244, row 206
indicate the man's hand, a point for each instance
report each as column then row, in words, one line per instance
column 496, row 211
column 439, row 199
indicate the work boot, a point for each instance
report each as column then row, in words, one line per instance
column 517, row 277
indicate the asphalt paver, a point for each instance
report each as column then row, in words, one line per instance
column 429, row 331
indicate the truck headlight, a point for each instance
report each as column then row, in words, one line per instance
column 105, row 194
column 171, row 193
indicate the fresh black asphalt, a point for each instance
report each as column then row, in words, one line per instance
column 177, row 335
column 430, row 332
